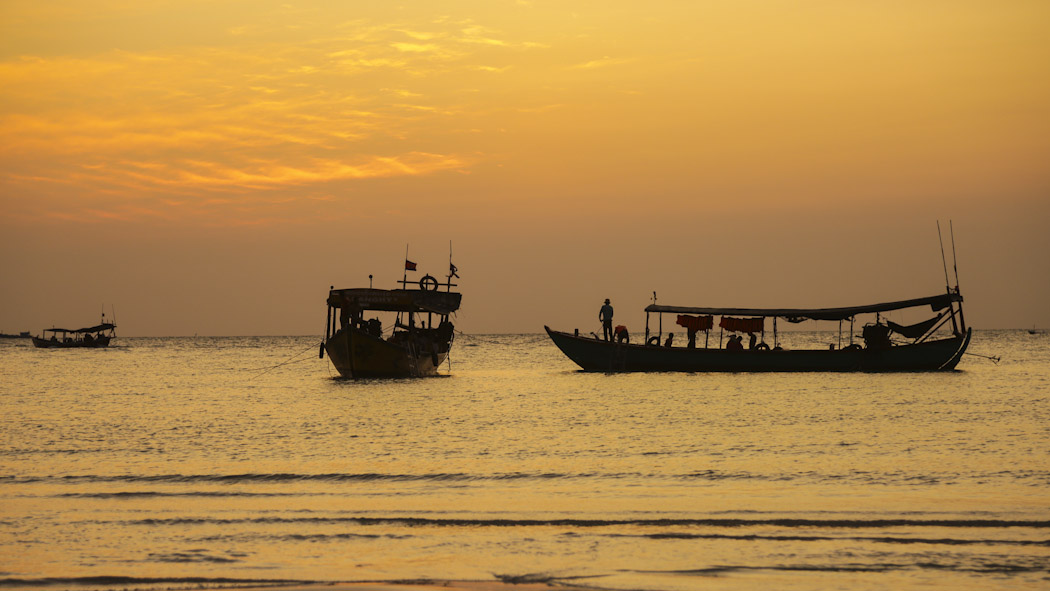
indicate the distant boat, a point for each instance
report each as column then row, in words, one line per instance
column 921, row 349
column 94, row 337
column 421, row 334
column 22, row 335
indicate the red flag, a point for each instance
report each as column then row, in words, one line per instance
column 409, row 265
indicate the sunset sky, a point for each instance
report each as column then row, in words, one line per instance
column 212, row 167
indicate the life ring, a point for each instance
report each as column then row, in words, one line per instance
column 653, row 341
column 428, row 280
column 761, row 347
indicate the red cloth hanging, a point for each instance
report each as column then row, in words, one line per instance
column 696, row 322
column 742, row 324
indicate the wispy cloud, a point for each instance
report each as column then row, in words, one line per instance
column 177, row 127
column 604, row 62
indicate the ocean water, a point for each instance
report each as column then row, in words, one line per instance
column 188, row 462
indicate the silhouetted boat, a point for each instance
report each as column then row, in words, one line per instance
column 95, row 337
column 922, row 351
column 22, row 335
column 421, row 335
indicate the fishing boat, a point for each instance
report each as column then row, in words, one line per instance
column 884, row 346
column 415, row 345
column 922, row 347
column 22, row 335
column 93, row 337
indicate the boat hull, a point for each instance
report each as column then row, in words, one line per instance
column 99, row 343
column 357, row 354
column 597, row 355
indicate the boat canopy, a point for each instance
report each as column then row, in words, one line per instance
column 96, row 328
column 937, row 303
column 395, row 300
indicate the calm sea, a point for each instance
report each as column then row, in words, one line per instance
column 177, row 462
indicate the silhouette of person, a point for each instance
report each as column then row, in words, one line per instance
column 751, row 342
column 670, row 338
column 606, row 316
column 735, row 343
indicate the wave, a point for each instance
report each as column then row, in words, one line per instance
column 151, row 494
column 985, row 568
column 811, row 538
column 116, row 580
column 1036, row 478
column 301, row 537
column 289, row 477
column 588, row 523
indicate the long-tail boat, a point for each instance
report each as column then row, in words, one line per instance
column 887, row 346
column 417, row 343
column 92, row 337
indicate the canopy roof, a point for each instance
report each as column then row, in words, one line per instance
column 96, row 328
column 937, row 302
column 395, row 300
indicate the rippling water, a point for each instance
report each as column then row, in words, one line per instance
column 184, row 461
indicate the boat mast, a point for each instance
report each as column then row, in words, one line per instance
column 947, row 284
column 955, row 267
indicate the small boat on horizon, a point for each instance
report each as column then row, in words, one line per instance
column 22, row 335
column 91, row 337
column 420, row 336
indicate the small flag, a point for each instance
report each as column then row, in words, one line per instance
column 409, row 265
column 452, row 270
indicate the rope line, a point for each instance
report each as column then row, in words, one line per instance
column 479, row 338
column 994, row 358
column 292, row 359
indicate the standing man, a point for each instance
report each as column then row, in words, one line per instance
column 606, row 315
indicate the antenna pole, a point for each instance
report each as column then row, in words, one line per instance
column 955, row 266
column 404, row 275
column 947, row 284
column 944, row 262
column 955, row 261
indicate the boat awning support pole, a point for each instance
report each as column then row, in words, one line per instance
column 328, row 325
column 776, row 342
column 840, row 333
column 932, row 330
column 951, row 309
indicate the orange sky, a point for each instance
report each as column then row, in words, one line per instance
column 212, row 167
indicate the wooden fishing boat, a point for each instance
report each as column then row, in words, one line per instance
column 92, row 337
column 421, row 335
column 924, row 348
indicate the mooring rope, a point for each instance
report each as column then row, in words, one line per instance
column 291, row 360
column 994, row 358
column 479, row 338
